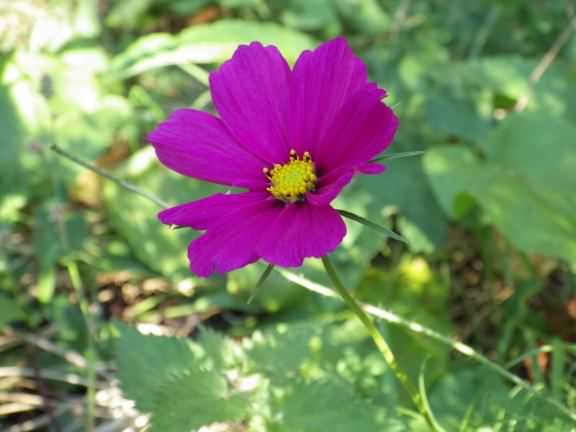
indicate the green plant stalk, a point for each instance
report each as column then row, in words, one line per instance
column 377, row 312
column 379, row 341
column 392, row 156
column 261, row 280
column 128, row 186
column 76, row 282
column 414, row 327
column 381, row 229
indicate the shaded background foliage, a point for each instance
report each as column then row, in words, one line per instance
column 487, row 89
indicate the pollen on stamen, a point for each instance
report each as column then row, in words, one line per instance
column 289, row 182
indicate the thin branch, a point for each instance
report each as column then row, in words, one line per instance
column 122, row 183
column 43, row 420
column 261, row 280
column 381, row 229
column 545, row 63
column 400, row 155
column 47, row 374
column 399, row 18
column 379, row 341
column 72, row 357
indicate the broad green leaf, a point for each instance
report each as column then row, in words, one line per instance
column 194, row 399
column 147, row 363
column 456, row 116
column 10, row 310
column 318, row 350
column 475, row 398
column 524, row 186
column 366, row 16
column 284, row 349
column 330, row 404
column 12, row 144
column 162, row 249
column 319, row 15
column 168, row 377
column 221, row 350
column 205, row 44
column 461, row 97
column 403, row 187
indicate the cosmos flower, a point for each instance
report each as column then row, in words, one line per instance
column 291, row 138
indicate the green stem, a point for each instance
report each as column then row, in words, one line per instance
column 105, row 174
column 379, row 341
column 414, row 327
column 261, row 280
column 76, row 282
column 381, row 229
column 402, row 155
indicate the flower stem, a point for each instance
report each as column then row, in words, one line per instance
column 381, row 229
column 107, row 175
column 76, row 282
column 402, row 155
column 261, row 281
column 417, row 328
column 379, row 341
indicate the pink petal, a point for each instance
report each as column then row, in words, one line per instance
column 197, row 144
column 323, row 81
column 301, row 231
column 371, row 168
column 329, row 187
column 231, row 243
column 250, row 92
column 207, row 212
column 362, row 129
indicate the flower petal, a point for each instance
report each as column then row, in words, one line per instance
column 329, row 187
column 206, row 212
column 301, row 231
column 231, row 242
column 323, row 81
column 362, row 129
column 250, row 92
column 371, row 168
column 197, row 144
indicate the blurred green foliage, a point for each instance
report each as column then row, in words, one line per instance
column 488, row 212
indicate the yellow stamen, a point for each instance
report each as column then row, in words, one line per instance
column 290, row 181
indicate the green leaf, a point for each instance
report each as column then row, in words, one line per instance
column 169, row 378
column 404, row 187
column 9, row 311
column 475, row 398
column 221, row 351
column 162, row 249
column 367, row 16
column 330, row 404
column 205, row 44
column 59, row 234
column 319, row 15
column 524, row 186
column 456, row 116
column 12, row 145
column 147, row 363
column 412, row 289
column 284, row 349
column 194, row 399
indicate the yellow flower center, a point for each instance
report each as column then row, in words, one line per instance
column 290, row 181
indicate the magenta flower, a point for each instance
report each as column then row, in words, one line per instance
column 292, row 138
